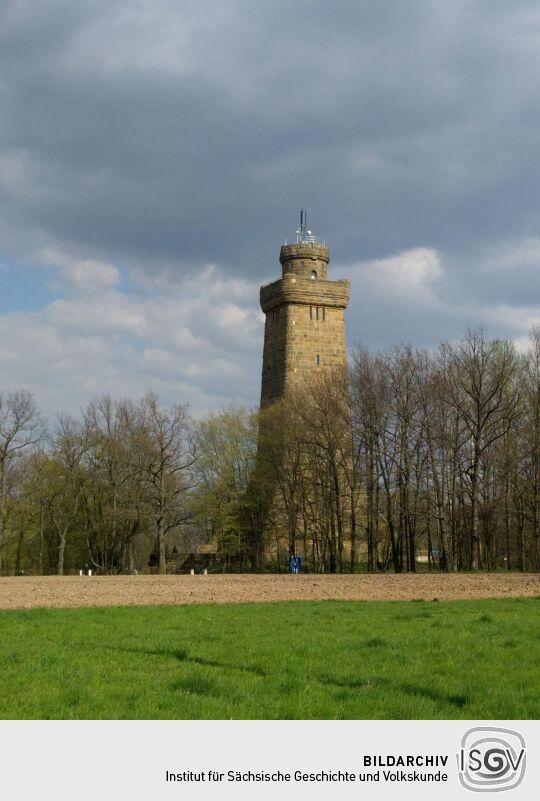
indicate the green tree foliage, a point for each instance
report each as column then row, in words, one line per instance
column 226, row 446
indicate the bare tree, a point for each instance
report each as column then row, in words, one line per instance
column 370, row 404
column 20, row 429
column 167, row 448
column 480, row 385
column 114, row 503
column 71, row 443
column 530, row 443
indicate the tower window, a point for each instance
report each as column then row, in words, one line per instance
column 314, row 275
column 317, row 312
column 318, row 360
column 311, row 312
column 324, row 312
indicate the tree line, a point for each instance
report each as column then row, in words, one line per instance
column 406, row 460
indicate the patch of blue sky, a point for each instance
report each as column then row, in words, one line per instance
column 25, row 287
column 125, row 283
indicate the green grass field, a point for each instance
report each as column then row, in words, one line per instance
column 459, row 659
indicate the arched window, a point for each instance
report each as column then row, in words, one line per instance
column 314, row 275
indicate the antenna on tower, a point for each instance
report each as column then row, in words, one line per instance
column 302, row 234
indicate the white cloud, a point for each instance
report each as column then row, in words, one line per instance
column 413, row 274
column 412, row 297
column 80, row 275
column 197, row 340
column 91, row 276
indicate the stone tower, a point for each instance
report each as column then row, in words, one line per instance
column 305, row 323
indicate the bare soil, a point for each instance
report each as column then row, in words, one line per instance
column 75, row 591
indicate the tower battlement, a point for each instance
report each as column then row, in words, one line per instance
column 304, row 258
column 305, row 323
column 306, row 292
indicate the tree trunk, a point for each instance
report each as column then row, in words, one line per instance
column 41, row 535
column 474, row 543
column 19, row 552
column 61, row 552
column 162, row 569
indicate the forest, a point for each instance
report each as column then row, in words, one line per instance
column 408, row 460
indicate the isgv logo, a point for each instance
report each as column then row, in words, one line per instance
column 491, row 759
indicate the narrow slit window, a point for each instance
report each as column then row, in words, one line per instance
column 311, row 312
column 317, row 312
column 324, row 312
column 318, row 360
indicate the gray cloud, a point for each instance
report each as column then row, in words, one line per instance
column 163, row 137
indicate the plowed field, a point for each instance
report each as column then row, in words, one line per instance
column 74, row 591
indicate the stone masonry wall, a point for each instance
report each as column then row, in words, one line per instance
column 305, row 326
column 304, row 258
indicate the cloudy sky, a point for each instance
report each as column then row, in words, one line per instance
column 154, row 155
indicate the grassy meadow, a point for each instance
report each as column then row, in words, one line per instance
column 328, row 659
